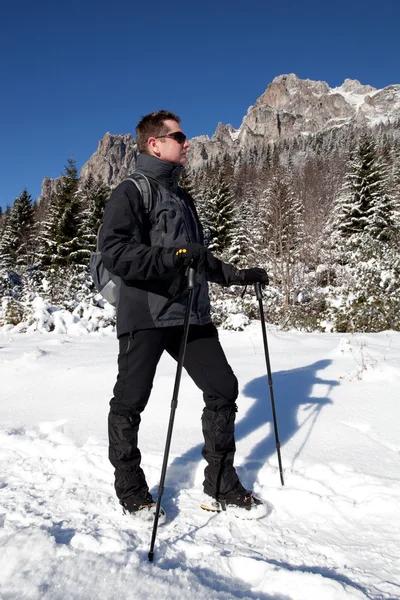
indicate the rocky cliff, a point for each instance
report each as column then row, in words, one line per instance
column 113, row 160
column 289, row 107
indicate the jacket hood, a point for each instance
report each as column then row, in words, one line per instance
column 165, row 173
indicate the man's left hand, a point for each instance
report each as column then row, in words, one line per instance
column 247, row 276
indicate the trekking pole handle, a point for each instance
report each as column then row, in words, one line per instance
column 257, row 287
column 191, row 274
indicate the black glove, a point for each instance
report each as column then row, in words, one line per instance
column 194, row 255
column 246, row 276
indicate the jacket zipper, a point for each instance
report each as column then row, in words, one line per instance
column 183, row 217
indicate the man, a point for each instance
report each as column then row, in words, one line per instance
column 150, row 253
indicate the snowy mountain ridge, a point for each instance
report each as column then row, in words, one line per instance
column 290, row 106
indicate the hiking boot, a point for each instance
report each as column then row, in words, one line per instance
column 243, row 505
column 143, row 509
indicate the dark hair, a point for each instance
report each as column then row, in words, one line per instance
column 153, row 125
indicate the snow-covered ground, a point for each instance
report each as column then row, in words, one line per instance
column 333, row 530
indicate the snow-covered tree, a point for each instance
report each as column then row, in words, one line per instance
column 283, row 227
column 394, row 190
column 245, row 242
column 220, row 213
column 365, row 207
column 241, row 248
column 363, row 232
column 60, row 232
column 187, row 182
column 367, row 294
column 93, row 195
column 16, row 238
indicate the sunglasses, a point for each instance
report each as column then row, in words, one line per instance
column 178, row 136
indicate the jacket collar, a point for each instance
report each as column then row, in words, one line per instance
column 165, row 173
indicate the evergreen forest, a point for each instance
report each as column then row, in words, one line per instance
column 321, row 213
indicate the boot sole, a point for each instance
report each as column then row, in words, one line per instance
column 146, row 515
column 256, row 511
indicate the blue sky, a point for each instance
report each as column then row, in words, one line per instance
column 71, row 71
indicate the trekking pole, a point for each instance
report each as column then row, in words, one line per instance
column 257, row 287
column 174, row 404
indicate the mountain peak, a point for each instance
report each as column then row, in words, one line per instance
column 291, row 106
column 284, row 88
column 353, row 86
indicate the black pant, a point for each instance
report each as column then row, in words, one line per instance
column 205, row 362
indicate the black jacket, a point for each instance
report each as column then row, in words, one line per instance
column 139, row 248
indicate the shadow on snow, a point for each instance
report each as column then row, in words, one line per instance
column 292, row 389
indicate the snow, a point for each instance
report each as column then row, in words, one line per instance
column 332, row 532
column 355, row 98
column 384, row 107
column 235, row 133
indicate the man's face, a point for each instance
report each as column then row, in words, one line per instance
column 169, row 149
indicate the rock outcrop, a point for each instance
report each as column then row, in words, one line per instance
column 113, row 160
column 289, row 107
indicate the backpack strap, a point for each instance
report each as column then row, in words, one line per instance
column 98, row 237
column 143, row 185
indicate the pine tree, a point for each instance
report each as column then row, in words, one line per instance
column 202, row 208
column 16, row 239
column 92, row 195
column 395, row 186
column 187, row 183
column 382, row 225
column 365, row 208
column 396, row 170
column 220, row 212
column 241, row 249
column 3, row 221
column 60, row 233
column 363, row 241
column 248, row 244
